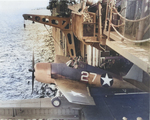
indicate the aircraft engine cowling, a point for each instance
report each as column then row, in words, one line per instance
column 43, row 73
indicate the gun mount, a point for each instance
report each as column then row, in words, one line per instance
column 61, row 7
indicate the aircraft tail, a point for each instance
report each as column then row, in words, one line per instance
column 136, row 77
column 135, row 73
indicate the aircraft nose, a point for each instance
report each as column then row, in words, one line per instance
column 43, row 72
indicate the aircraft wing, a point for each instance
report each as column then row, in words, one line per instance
column 75, row 92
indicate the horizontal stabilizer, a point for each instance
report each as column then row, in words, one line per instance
column 135, row 77
column 135, row 73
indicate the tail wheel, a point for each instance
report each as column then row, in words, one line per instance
column 56, row 102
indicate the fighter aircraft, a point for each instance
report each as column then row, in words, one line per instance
column 73, row 79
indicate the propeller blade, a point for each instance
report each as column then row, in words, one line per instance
column 32, row 81
column 33, row 60
column 30, row 70
column 33, row 71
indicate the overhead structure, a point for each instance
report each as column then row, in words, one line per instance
column 133, row 47
column 98, row 25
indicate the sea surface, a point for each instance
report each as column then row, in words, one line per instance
column 16, row 46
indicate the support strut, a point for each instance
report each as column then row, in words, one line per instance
column 61, row 23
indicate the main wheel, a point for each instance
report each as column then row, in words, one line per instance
column 56, row 102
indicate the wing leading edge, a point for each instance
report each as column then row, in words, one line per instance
column 75, row 92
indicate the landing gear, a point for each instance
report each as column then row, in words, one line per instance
column 56, row 102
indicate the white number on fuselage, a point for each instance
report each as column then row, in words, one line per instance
column 85, row 75
column 95, row 75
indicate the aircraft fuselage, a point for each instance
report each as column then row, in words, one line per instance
column 48, row 72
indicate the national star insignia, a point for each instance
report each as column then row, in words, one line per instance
column 76, row 94
column 106, row 80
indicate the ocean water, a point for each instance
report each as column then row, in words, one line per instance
column 16, row 46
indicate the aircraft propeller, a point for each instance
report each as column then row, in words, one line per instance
column 32, row 70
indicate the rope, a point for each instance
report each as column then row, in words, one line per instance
column 119, row 25
column 128, row 19
column 135, row 41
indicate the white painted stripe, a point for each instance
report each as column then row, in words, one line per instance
column 131, row 93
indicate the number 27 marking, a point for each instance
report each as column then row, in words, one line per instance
column 85, row 75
